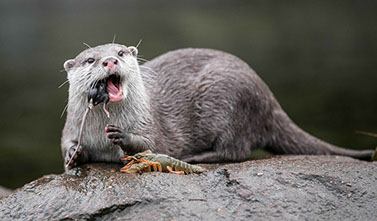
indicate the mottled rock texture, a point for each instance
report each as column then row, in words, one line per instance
column 279, row 188
column 4, row 192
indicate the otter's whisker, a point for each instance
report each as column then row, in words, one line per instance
column 115, row 35
column 150, row 69
column 64, row 110
column 142, row 59
column 139, row 43
column 63, row 83
column 87, row 46
column 75, row 96
column 94, row 84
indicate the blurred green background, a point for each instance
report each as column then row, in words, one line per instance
column 318, row 57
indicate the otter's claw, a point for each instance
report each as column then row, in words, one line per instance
column 71, row 155
column 115, row 134
column 130, row 143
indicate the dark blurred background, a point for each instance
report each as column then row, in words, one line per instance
column 318, row 57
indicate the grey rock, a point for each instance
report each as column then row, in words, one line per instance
column 279, row 188
column 4, row 192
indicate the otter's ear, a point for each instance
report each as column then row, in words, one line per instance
column 69, row 64
column 133, row 50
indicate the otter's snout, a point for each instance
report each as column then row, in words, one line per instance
column 110, row 62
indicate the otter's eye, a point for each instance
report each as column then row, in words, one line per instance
column 90, row 60
column 120, row 53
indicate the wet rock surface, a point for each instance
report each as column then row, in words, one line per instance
column 287, row 187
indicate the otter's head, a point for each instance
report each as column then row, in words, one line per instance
column 113, row 63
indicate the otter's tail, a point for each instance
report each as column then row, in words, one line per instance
column 288, row 138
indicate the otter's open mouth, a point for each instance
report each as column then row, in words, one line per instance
column 114, row 88
column 107, row 89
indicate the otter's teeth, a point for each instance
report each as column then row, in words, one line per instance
column 120, row 93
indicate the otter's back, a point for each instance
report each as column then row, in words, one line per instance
column 199, row 93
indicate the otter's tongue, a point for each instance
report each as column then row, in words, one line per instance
column 115, row 93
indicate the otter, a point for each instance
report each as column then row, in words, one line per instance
column 197, row 105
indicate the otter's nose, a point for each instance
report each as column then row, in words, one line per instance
column 110, row 62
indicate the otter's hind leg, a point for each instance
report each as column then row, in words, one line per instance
column 226, row 149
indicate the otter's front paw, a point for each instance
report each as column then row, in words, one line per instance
column 72, row 155
column 117, row 135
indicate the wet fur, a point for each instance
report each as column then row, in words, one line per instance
column 198, row 105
